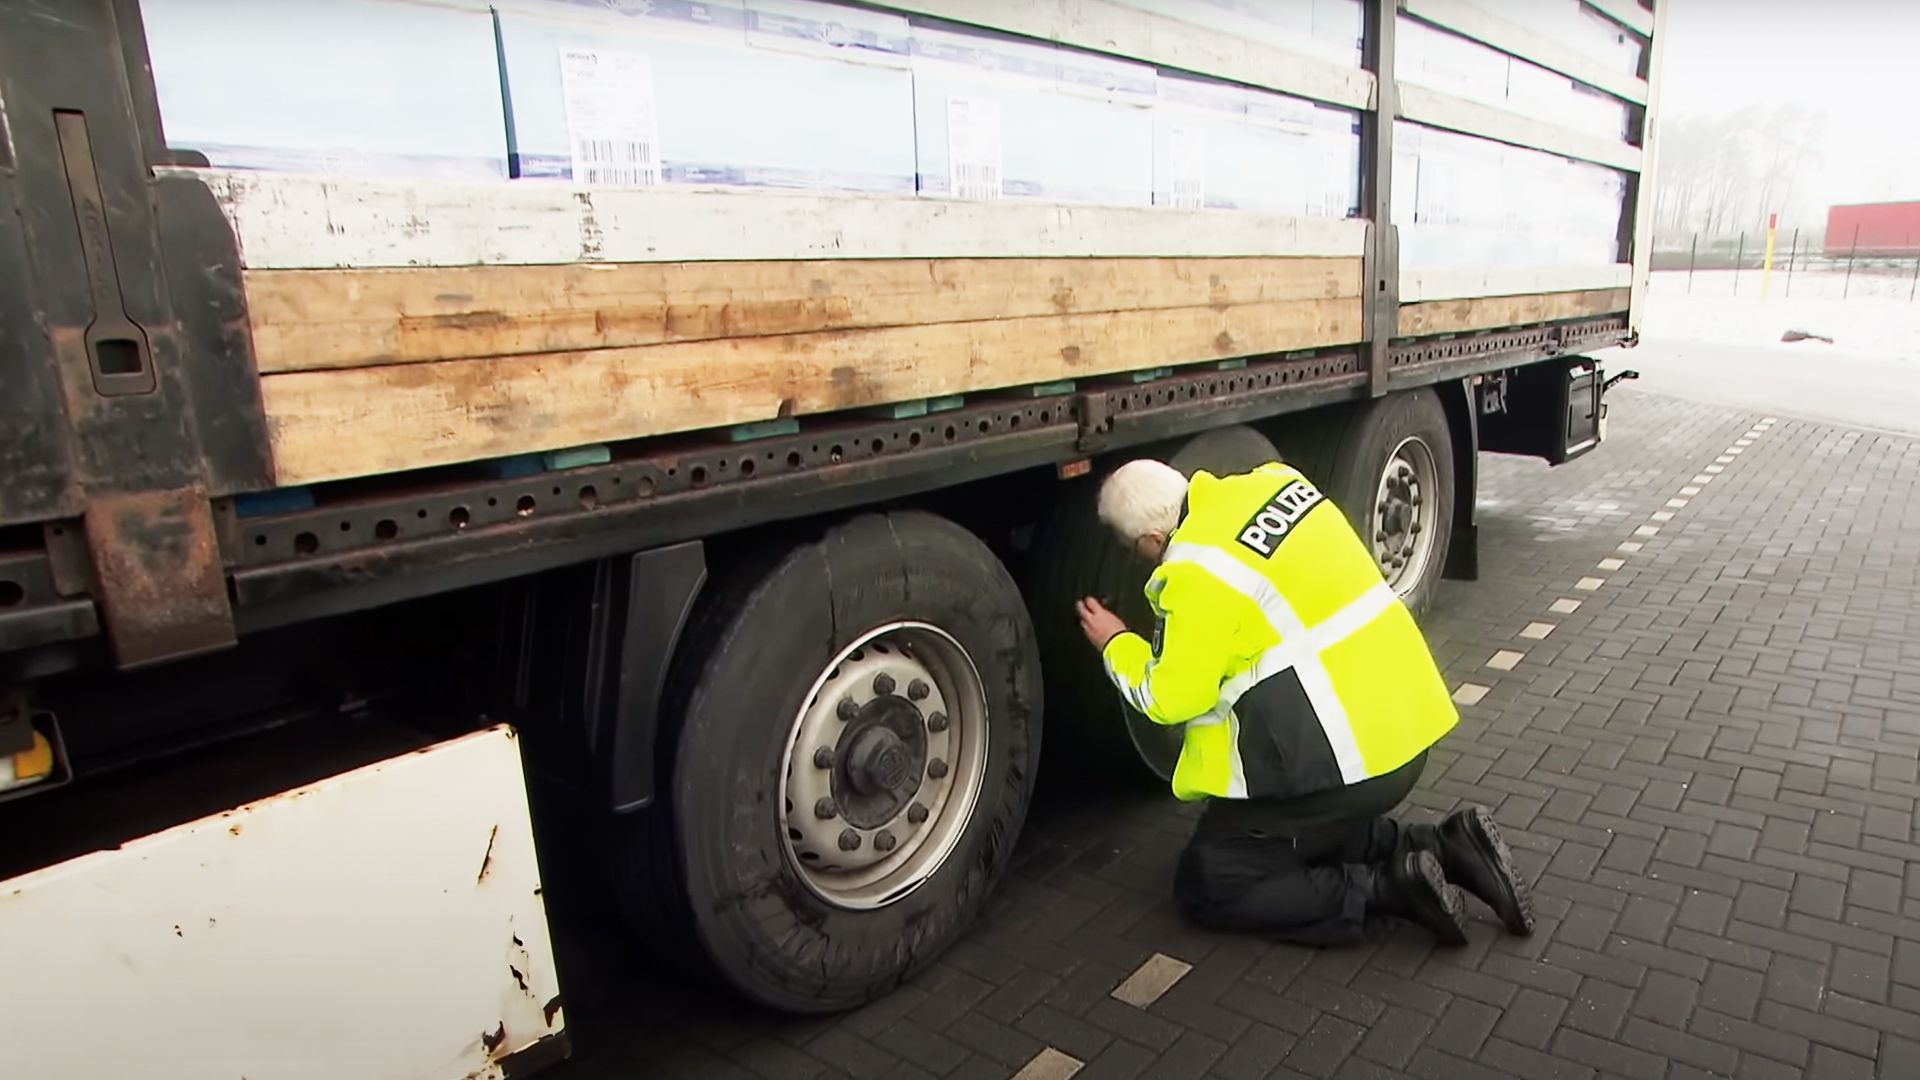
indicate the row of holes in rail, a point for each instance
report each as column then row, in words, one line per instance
column 370, row 526
column 358, row 527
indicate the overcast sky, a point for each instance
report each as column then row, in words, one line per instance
column 1858, row 60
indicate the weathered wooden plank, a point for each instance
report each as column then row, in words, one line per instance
column 313, row 319
column 320, row 222
column 1461, row 283
column 1107, row 27
column 1474, row 21
column 1488, row 313
column 362, row 421
column 1627, row 13
column 1435, row 109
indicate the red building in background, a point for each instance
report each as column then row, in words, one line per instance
column 1882, row 229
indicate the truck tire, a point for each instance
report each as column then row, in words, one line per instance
column 1075, row 556
column 858, row 726
column 1388, row 464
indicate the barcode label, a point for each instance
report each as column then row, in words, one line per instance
column 1187, row 167
column 614, row 161
column 973, row 148
column 612, row 130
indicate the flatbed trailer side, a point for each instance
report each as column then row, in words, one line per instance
column 155, row 530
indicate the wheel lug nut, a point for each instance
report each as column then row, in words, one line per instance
column 937, row 722
column 937, row 768
column 916, row 813
column 849, row 840
column 823, row 758
column 1413, row 529
column 846, row 710
column 918, row 690
column 825, row 810
column 884, row 841
column 883, row 684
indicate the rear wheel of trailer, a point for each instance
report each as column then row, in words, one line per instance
column 858, row 724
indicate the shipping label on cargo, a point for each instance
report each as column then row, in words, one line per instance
column 612, row 129
column 973, row 148
column 1187, row 158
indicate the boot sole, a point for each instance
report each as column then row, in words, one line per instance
column 1454, row 934
column 1516, row 906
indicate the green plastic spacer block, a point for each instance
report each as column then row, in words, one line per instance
column 576, row 457
column 765, row 429
column 946, row 403
column 1150, row 374
column 1230, row 365
column 1046, row 389
column 900, row 410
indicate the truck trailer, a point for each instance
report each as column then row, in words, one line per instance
column 449, row 448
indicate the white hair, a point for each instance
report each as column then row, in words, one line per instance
column 1143, row 496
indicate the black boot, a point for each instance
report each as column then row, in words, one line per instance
column 1412, row 886
column 1476, row 859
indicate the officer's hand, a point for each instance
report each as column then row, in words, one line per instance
column 1099, row 624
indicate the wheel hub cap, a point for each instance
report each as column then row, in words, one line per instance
column 1403, row 520
column 883, row 765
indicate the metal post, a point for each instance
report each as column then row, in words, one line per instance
column 1693, row 258
column 1382, row 259
column 1915, row 287
column 1792, row 254
column 1739, row 258
column 1847, row 285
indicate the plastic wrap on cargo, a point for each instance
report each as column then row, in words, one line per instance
column 380, row 87
column 1228, row 147
column 1327, row 29
column 1463, row 201
column 1002, row 117
column 769, row 93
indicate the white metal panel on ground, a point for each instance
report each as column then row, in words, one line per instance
column 311, row 222
column 383, row 923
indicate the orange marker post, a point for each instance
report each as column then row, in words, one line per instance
column 1766, row 267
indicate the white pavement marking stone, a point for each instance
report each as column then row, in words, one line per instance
column 1631, row 546
column 1505, row 660
column 1535, row 631
column 1049, row 1064
column 1714, row 470
column 1723, row 459
column 1588, row 584
column 1703, row 478
column 1611, row 564
column 1647, row 530
column 1470, row 693
column 1676, row 503
column 1566, row 605
column 1151, row 979
column 1661, row 515
column 1689, row 491
column 1735, row 450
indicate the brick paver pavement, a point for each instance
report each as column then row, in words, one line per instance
column 1701, row 739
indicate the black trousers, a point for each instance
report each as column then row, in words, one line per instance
column 1299, row 870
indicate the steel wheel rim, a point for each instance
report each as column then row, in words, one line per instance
column 1404, row 511
column 862, row 848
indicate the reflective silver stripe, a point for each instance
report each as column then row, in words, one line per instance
column 1299, row 648
column 1138, row 697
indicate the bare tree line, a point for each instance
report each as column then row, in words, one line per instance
column 1722, row 174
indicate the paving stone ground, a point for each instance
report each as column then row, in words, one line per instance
column 1708, row 768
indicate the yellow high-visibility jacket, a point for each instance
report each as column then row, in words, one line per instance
column 1288, row 658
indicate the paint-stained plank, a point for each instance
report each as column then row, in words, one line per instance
column 319, row 222
column 315, row 319
column 363, row 421
column 1487, row 313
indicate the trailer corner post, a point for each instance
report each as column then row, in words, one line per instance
column 135, row 372
column 1382, row 259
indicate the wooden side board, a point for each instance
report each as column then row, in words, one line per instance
column 306, row 320
column 330, row 425
column 1492, row 312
